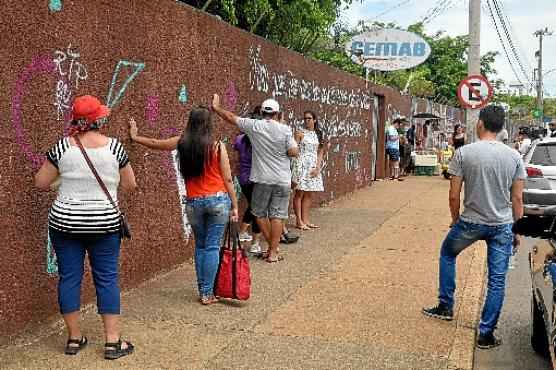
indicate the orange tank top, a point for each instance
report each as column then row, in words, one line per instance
column 210, row 182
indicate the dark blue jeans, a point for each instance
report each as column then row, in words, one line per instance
column 104, row 253
column 208, row 217
column 499, row 241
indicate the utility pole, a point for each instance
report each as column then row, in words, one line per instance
column 474, row 61
column 540, row 100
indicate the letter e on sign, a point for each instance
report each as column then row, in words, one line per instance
column 474, row 92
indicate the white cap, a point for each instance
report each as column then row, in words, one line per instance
column 270, row 106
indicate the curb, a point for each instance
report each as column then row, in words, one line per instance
column 463, row 347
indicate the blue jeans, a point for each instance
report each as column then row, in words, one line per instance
column 104, row 254
column 208, row 217
column 499, row 241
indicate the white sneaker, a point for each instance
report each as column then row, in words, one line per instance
column 245, row 237
column 255, row 248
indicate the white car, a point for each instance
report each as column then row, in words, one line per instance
column 540, row 186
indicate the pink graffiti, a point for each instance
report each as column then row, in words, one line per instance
column 152, row 109
column 231, row 96
column 41, row 64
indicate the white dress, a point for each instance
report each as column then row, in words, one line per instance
column 306, row 162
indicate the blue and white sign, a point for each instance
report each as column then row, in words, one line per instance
column 388, row 49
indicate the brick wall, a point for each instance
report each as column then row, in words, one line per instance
column 152, row 60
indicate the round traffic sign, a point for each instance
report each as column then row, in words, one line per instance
column 475, row 92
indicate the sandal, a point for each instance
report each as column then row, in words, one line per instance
column 73, row 350
column 274, row 260
column 303, row 227
column 206, row 300
column 313, row 226
column 113, row 351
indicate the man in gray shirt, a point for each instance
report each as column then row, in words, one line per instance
column 493, row 175
column 273, row 145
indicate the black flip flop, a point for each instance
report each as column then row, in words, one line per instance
column 113, row 351
column 73, row 350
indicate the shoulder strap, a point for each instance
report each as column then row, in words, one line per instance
column 94, row 171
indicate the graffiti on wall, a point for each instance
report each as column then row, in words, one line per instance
column 353, row 161
column 152, row 109
column 115, row 95
column 55, row 5
column 289, row 86
column 39, row 65
column 182, row 94
column 231, row 96
column 69, row 72
column 182, row 193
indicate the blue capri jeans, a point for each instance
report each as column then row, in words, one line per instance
column 104, row 253
column 208, row 217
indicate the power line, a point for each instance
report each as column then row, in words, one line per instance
column 501, row 20
column 388, row 10
column 493, row 19
column 516, row 38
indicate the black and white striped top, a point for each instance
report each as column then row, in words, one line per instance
column 81, row 206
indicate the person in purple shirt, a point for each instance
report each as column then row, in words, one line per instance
column 243, row 146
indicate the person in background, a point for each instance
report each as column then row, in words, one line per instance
column 243, row 146
column 205, row 168
column 309, row 162
column 393, row 148
column 82, row 220
column 273, row 145
column 503, row 136
column 410, row 136
column 552, row 129
column 493, row 175
column 458, row 137
column 524, row 142
column 405, row 156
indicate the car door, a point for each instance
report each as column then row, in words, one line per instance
column 543, row 270
column 540, row 186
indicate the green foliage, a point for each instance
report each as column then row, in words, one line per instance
column 295, row 24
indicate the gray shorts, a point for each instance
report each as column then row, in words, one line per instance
column 270, row 201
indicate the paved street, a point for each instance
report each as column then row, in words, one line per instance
column 348, row 296
column 514, row 326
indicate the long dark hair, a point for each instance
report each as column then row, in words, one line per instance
column 194, row 147
column 318, row 130
column 455, row 133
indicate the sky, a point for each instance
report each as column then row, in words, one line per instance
column 525, row 16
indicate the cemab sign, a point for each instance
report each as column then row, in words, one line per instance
column 388, row 49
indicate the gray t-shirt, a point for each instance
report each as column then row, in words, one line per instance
column 488, row 169
column 271, row 141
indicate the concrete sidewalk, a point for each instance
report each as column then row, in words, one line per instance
column 347, row 296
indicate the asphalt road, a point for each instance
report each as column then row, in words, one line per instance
column 514, row 325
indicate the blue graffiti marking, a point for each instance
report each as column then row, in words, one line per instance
column 55, row 5
column 51, row 261
column 112, row 101
column 182, row 95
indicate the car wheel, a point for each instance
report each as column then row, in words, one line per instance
column 539, row 340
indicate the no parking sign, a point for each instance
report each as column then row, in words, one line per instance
column 475, row 92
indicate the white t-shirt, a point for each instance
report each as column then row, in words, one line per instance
column 270, row 140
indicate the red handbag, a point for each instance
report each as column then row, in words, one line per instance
column 233, row 279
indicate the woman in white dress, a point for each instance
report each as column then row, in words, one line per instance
column 307, row 169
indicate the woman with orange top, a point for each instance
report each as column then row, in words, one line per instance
column 205, row 167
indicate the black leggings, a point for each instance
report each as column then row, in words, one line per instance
column 248, row 217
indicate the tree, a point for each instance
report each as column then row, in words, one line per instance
column 295, row 24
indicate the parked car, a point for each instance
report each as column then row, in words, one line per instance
column 540, row 186
column 542, row 258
